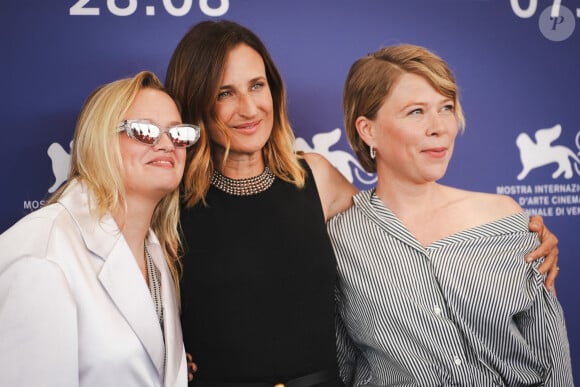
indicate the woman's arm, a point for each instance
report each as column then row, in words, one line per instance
column 547, row 249
column 38, row 320
column 335, row 191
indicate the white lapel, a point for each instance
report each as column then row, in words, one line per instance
column 172, row 324
column 122, row 279
column 119, row 275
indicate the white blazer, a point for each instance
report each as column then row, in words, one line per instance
column 75, row 309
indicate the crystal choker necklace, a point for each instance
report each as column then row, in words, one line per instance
column 243, row 187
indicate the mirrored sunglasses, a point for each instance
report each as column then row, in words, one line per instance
column 146, row 132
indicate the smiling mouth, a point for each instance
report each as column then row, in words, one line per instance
column 247, row 127
column 162, row 163
column 436, row 152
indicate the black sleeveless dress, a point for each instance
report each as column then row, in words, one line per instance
column 257, row 290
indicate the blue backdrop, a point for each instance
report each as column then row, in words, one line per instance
column 517, row 63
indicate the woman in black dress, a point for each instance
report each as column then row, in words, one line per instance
column 259, row 270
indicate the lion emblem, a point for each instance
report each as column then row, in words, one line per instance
column 342, row 160
column 60, row 159
column 541, row 152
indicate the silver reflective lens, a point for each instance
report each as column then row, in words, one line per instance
column 146, row 132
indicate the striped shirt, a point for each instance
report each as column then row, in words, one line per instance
column 467, row 310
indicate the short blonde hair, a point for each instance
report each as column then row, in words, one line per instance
column 371, row 79
column 96, row 161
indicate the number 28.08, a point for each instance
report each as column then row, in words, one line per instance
column 129, row 7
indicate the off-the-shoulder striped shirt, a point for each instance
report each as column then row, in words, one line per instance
column 466, row 310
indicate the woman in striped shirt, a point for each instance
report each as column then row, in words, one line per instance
column 434, row 288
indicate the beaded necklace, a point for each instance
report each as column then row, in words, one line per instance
column 243, row 187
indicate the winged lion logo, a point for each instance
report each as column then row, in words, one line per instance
column 345, row 162
column 541, row 152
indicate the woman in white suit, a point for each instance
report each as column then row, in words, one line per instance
column 87, row 283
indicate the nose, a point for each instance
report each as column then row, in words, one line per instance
column 164, row 144
column 437, row 124
column 247, row 106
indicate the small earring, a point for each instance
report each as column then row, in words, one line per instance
column 372, row 152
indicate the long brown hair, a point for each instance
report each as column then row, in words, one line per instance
column 193, row 77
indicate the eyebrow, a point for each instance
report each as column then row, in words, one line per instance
column 253, row 80
column 169, row 125
column 424, row 103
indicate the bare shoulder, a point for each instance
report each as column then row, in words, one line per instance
column 316, row 161
column 460, row 210
column 487, row 206
column 324, row 172
column 335, row 191
column 503, row 204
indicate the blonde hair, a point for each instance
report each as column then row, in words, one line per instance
column 371, row 79
column 193, row 77
column 97, row 162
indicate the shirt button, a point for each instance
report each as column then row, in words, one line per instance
column 437, row 310
column 457, row 360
